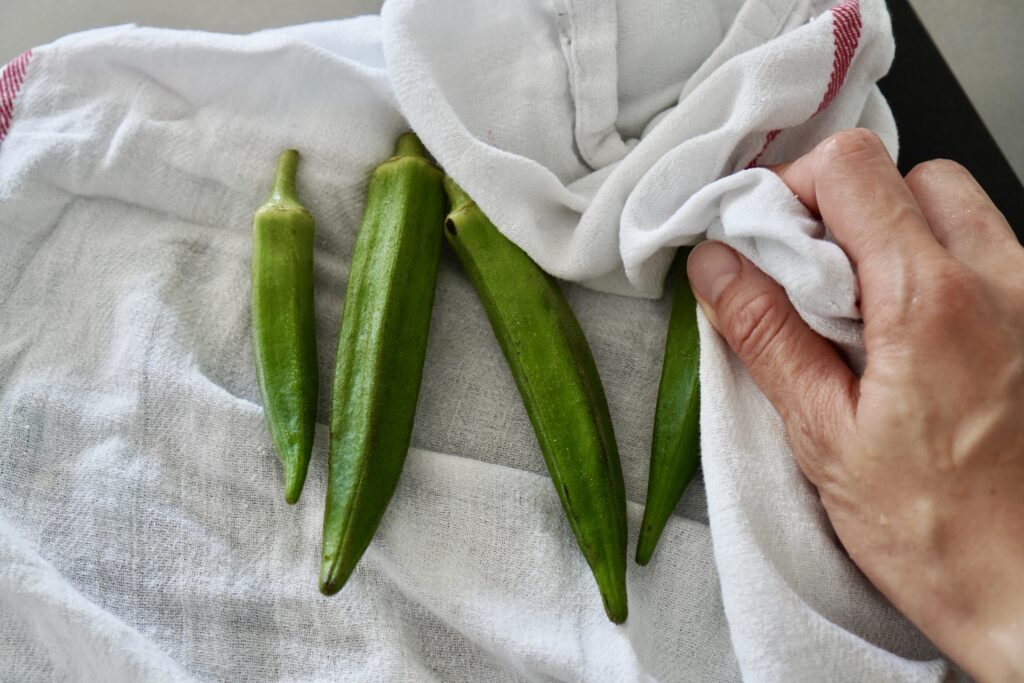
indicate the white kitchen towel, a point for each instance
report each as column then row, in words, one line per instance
column 143, row 535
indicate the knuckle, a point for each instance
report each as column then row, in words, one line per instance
column 851, row 145
column 754, row 323
column 937, row 171
column 926, row 170
column 946, row 166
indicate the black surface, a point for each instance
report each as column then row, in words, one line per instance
column 936, row 119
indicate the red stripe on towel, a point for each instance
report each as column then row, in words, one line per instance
column 846, row 26
column 11, row 78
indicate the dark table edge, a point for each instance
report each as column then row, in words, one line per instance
column 936, row 119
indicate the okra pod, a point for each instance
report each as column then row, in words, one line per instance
column 284, row 323
column 381, row 349
column 560, row 387
column 675, row 445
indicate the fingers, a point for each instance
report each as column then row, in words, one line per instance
column 961, row 216
column 800, row 372
column 852, row 183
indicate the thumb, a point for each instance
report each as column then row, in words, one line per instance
column 800, row 372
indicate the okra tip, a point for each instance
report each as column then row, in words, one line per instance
column 293, row 481
column 615, row 605
column 645, row 545
column 333, row 577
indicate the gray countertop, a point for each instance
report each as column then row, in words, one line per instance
column 980, row 39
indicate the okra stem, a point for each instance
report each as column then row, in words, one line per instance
column 283, row 192
column 457, row 197
column 409, row 145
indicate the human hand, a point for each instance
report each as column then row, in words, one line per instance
column 920, row 461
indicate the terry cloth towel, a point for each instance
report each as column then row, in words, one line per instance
column 143, row 535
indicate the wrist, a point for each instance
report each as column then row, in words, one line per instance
column 976, row 612
column 992, row 652
column 963, row 587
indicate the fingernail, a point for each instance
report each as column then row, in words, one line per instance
column 711, row 267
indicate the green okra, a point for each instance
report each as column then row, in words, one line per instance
column 675, row 445
column 560, row 387
column 284, row 322
column 381, row 348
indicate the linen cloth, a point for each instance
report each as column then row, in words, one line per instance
column 143, row 535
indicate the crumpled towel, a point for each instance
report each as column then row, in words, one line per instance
column 143, row 535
